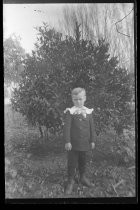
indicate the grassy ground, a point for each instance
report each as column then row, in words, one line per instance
column 33, row 170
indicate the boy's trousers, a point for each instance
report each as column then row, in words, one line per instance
column 76, row 160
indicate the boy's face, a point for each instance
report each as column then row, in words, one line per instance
column 79, row 99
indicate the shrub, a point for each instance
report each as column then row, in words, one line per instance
column 61, row 63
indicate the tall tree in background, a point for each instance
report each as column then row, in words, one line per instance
column 13, row 56
column 113, row 22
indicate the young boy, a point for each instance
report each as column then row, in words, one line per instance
column 79, row 136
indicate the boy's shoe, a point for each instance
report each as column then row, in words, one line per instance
column 69, row 187
column 86, row 182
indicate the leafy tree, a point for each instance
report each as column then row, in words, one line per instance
column 13, row 56
column 61, row 63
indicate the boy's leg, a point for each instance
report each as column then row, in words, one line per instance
column 82, row 162
column 72, row 165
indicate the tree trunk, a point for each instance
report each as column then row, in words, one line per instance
column 41, row 132
column 47, row 133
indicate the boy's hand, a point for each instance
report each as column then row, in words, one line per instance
column 68, row 146
column 92, row 145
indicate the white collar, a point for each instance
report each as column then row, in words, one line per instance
column 74, row 108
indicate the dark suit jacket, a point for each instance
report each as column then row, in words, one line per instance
column 79, row 131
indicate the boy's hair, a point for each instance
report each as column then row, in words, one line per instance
column 78, row 90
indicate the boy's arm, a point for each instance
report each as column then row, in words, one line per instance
column 92, row 129
column 67, row 127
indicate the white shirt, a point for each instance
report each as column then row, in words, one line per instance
column 76, row 110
